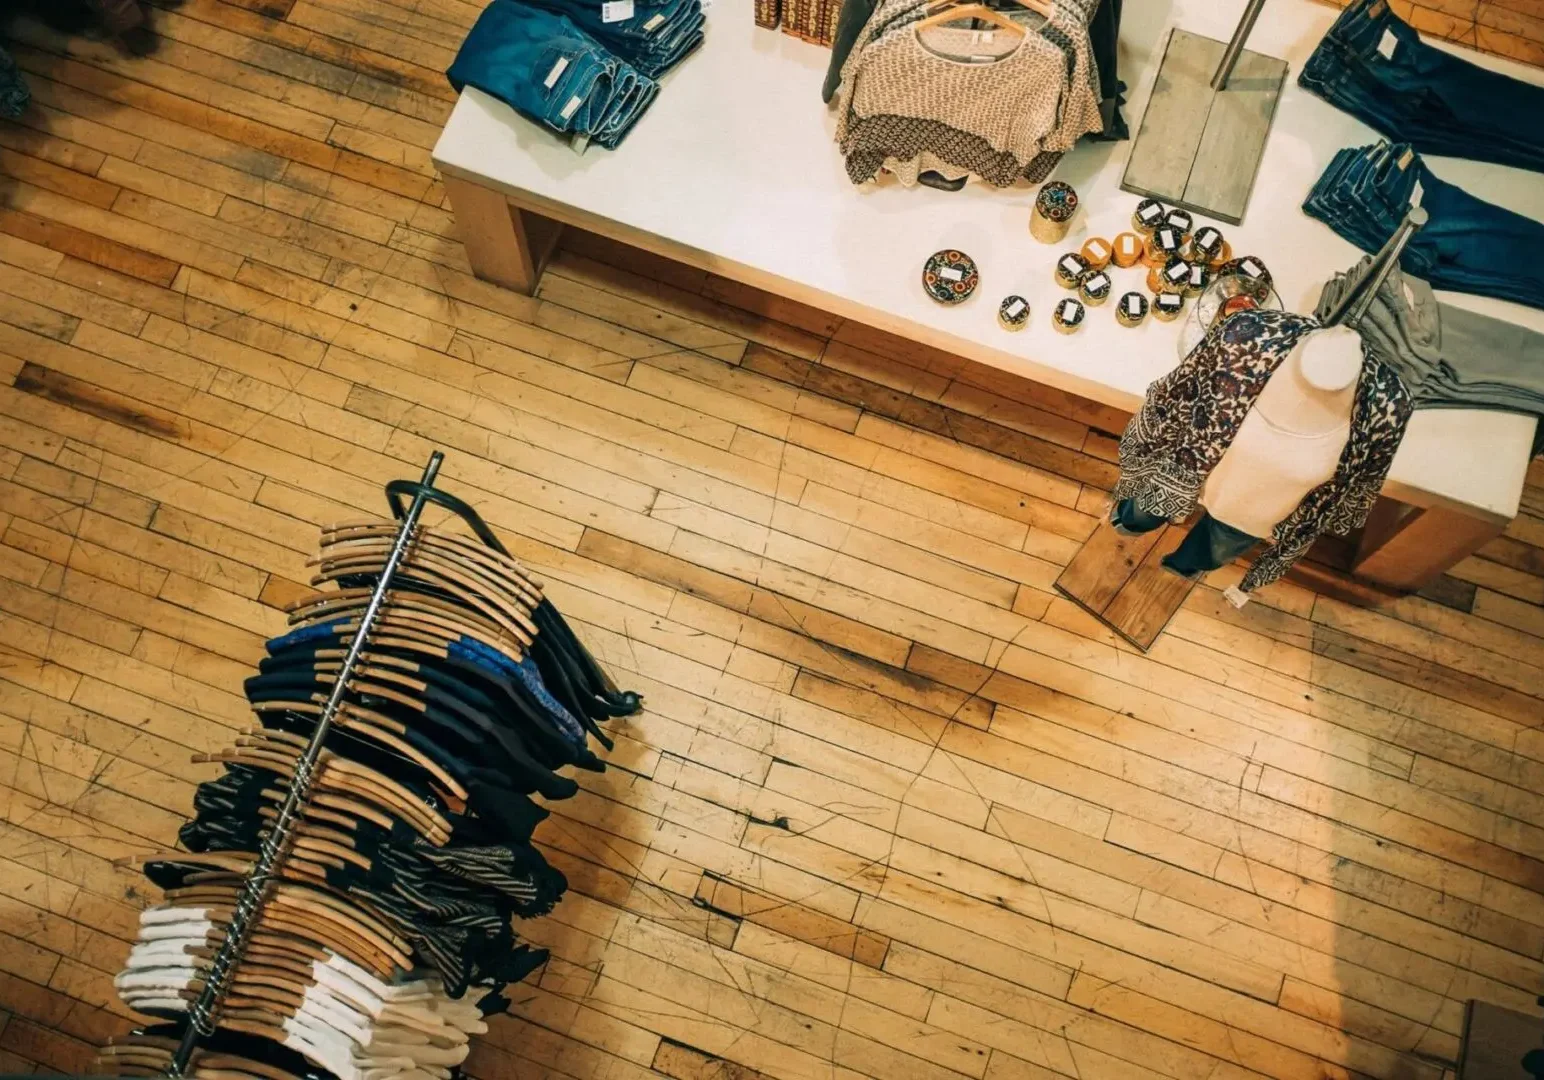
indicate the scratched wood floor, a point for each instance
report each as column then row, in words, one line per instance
column 894, row 809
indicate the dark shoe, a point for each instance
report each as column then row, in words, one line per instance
column 140, row 41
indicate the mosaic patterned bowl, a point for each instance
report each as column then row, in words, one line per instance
column 950, row 276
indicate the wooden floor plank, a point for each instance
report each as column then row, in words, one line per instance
column 893, row 809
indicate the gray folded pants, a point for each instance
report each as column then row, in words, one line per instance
column 1447, row 357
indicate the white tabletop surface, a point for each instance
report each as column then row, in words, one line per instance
column 734, row 169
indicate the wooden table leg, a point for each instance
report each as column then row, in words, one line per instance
column 1408, row 547
column 505, row 245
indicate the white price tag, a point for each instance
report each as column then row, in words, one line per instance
column 1097, row 282
column 1097, row 248
column 1014, row 309
column 557, row 69
column 1133, row 305
column 1150, row 213
column 1416, row 194
column 1167, row 238
column 1387, row 44
column 1252, row 268
column 1069, row 308
column 573, row 103
column 1071, row 265
column 1128, row 245
column 951, row 273
column 653, row 24
column 1177, row 273
column 1197, row 275
column 616, row 11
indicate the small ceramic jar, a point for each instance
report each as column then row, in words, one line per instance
column 1097, row 253
column 1067, row 316
column 1205, row 243
column 1167, row 306
column 1197, row 280
column 1131, row 310
column 1070, row 269
column 1095, row 288
column 1013, row 313
column 1147, row 216
column 1171, row 277
column 1162, row 246
column 1129, row 249
column 1055, row 205
column 1181, row 222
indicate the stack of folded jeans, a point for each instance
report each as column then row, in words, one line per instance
column 1467, row 245
column 1375, row 66
column 582, row 68
column 1446, row 356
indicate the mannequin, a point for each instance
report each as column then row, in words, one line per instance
column 1289, row 443
column 1292, row 439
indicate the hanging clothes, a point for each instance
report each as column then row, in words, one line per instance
column 1191, row 415
column 388, row 925
column 1000, row 106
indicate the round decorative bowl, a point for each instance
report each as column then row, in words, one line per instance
column 950, row 276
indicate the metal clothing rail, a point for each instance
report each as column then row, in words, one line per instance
column 1354, row 304
column 203, row 1014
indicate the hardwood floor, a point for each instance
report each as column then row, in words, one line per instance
column 894, row 809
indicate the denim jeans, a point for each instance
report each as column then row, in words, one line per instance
column 1374, row 66
column 1467, row 245
column 657, row 36
column 1208, row 545
column 546, row 68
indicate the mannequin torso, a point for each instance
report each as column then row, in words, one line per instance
column 1292, row 439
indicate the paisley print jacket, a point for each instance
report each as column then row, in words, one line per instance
column 1191, row 415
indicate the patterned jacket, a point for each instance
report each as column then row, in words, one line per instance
column 1191, row 415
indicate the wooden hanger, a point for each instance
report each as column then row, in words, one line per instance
column 515, row 622
column 364, row 721
column 469, row 547
column 509, row 574
column 953, row 11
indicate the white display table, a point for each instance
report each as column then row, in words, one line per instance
column 734, row 171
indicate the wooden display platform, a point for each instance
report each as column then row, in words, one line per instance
column 1120, row 580
column 1197, row 147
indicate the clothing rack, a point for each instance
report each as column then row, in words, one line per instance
column 1355, row 303
column 259, row 882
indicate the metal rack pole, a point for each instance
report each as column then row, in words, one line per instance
column 254, row 891
column 1235, row 47
column 1355, row 303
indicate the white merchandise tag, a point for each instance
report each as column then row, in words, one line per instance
column 1097, row 282
column 1128, row 245
column 1177, row 273
column 1387, row 44
column 1416, row 193
column 1133, row 305
column 1150, row 212
column 573, row 103
column 1167, row 238
column 616, row 11
column 1197, row 275
column 1071, row 265
column 1069, row 308
column 653, row 24
column 1098, row 248
column 951, row 273
column 1014, row 309
column 557, row 69
column 1250, row 267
